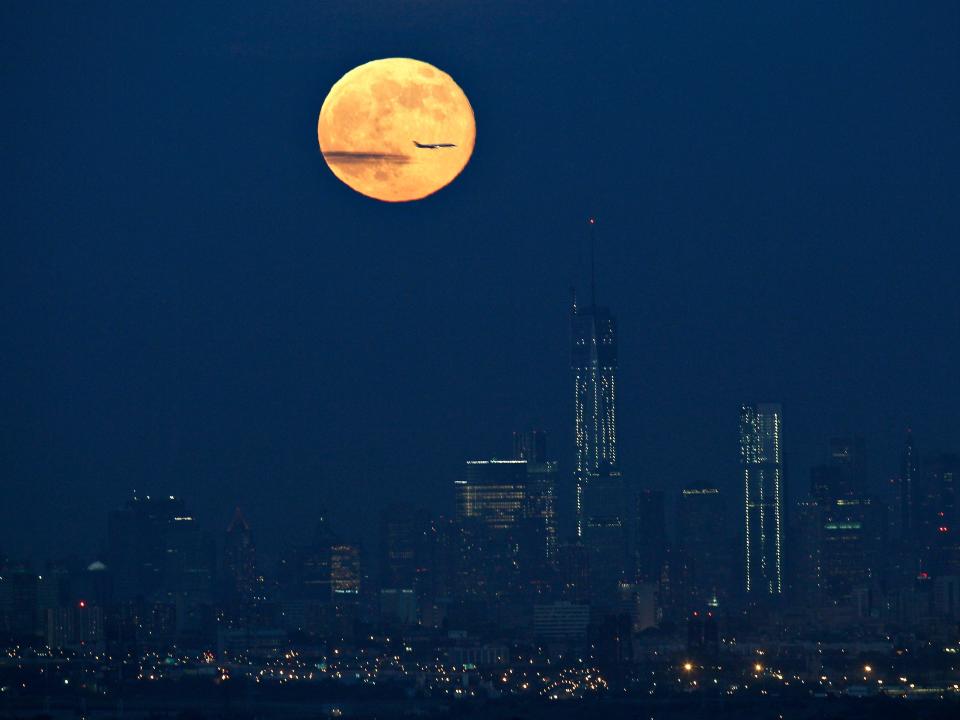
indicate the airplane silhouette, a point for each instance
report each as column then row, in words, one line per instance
column 432, row 146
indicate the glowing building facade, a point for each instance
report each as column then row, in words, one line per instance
column 761, row 456
column 493, row 492
column 594, row 364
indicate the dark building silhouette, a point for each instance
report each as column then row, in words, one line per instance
column 239, row 568
column 19, row 601
column 650, row 535
column 613, row 642
column 906, row 491
column 852, row 538
column 540, row 505
column 848, row 454
column 703, row 636
column 939, row 540
column 704, row 546
column 403, row 546
column 530, row 445
column 136, row 544
column 189, row 579
column 573, row 564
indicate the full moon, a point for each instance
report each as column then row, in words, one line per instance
column 376, row 115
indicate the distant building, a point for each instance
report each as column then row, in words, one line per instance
column 19, row 602
column 605, row 519
column 593, row 359
column 493, row 492
column 561, row 621
column 74, row 627
column 851, row 540
column 651, row 535
column 761, row 456
column 541, row 495
column 703, row 539
column 398, row 607
column 403, row 546
column 345, row 569
column 136, row 544
column 239, row 561
column 907, row 481
column 848, row 454
column 530, row 445
column 938, row 516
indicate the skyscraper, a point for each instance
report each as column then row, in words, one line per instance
column 761, row 456
column 239, row 561
column 908, row 480
column 702, row 539
column 849, row 453
column 136, row 544
column 602, row 505
column 651, row 535
column 594, row 363
column 493, row 492
column 540, row 504
column 530, row 445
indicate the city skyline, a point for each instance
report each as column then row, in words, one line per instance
column 164, row 333
column 374, row 359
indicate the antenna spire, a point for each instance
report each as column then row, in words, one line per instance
column 593, row 272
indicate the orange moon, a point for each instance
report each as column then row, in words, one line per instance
column 373, row 117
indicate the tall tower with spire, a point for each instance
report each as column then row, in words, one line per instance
column 600, row 493
column 593, row 359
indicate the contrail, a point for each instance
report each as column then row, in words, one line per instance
column 345, row 156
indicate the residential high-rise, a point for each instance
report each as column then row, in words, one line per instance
column 761, row 456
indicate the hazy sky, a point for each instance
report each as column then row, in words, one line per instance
column 193, row 304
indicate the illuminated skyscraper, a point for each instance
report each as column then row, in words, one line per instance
column 761, row 455
column 493, row 492
column 593, row 359
column 601, row 499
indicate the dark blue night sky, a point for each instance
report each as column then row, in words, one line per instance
column 192, row 303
